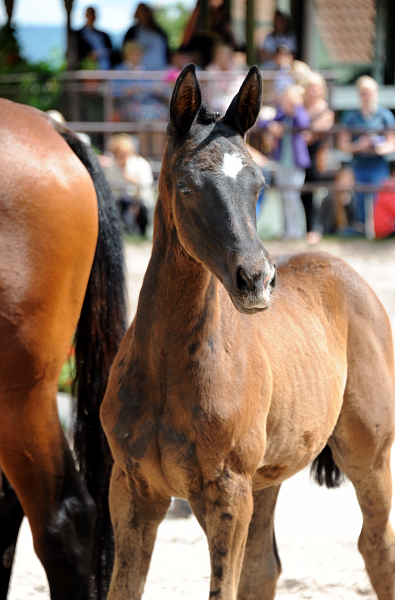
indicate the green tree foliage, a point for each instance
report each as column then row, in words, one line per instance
column 10, row 57
column 39, row 84
column 173, row 19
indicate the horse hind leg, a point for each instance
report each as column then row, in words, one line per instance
column 37, row 462
column 57, row 505
column 261, row 565
column 11, row 515
column 361, row 447
column 377, row 539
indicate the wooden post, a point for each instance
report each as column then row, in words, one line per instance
column 204, row 15
column 390, row 44
column 228, row 9
column 378, row 70
column 71, row 53
column 250, row 29
column 9, row 6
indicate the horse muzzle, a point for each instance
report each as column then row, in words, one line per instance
column 252, row 286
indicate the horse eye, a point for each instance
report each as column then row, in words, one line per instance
column 183, row 188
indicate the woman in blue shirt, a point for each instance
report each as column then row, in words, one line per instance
column 370, row 147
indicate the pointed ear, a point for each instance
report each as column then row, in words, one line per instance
column 185, row 101
column 244, row 108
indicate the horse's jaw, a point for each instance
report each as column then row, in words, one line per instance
column 250, row 306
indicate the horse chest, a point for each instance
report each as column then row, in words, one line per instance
column 188, row 419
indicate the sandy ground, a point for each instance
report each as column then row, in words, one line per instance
column 316, row 529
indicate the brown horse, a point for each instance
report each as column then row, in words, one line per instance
column 215, row 400
column 61, row 268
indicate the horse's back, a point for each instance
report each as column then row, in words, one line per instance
column 327, row 285
column 330, row 301
column 48, row 233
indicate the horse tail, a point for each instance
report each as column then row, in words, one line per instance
column 324, row 470
column 100, row 329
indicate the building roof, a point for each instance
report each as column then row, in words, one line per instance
column 348, row 29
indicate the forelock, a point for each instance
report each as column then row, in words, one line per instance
column 206, row 116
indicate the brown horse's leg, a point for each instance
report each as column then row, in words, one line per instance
column 224, row 510
column 41, row 469
column 361, row 448
column 37, row 462
column 373, row 487
column 261, row 565
column 136, row 517
column 11, row 515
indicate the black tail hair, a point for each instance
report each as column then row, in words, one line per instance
column 100, row 329
column 324, row 470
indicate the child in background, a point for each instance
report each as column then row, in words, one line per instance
column 292, row 156
column 337, row 212
column 130, row 178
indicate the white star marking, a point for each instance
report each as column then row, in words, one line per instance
column 232, row 165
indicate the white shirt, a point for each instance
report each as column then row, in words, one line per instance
column 140, row 171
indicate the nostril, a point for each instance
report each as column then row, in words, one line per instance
column 242, row 281
column 273, row 281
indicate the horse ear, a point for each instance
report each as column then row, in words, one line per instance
column 245, row 106
column 185, row 101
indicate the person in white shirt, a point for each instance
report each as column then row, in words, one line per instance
column 130, row 178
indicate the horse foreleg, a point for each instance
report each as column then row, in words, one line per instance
column 261, row 565
column 135, row 516
column 11, row 515
column 224, row 510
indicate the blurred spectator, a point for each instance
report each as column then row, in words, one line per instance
column 288, row 72
column 223, row 59
column 337, row 211
column 290, row 151
column 220, row 28
column 138, row 99
column 262, row 162
column 223, row 90
column 282, row 63
column 369, row 148
column 280, row 36
column 132, row 53
column 321, row 121
column 151, row 37
column 202, row 42
column 179, row 59
column 301, row 72
column 130, row 178
column 94, row 45
column 57, row 116
column 384, row 210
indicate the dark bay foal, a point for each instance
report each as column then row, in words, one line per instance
column 215, row 399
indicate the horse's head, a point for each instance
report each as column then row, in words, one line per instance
column 214, row 185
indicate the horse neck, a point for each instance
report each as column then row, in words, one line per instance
column 176, row 287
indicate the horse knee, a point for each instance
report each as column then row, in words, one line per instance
column 65, row 546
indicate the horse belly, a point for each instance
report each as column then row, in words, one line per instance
column 302, row 417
